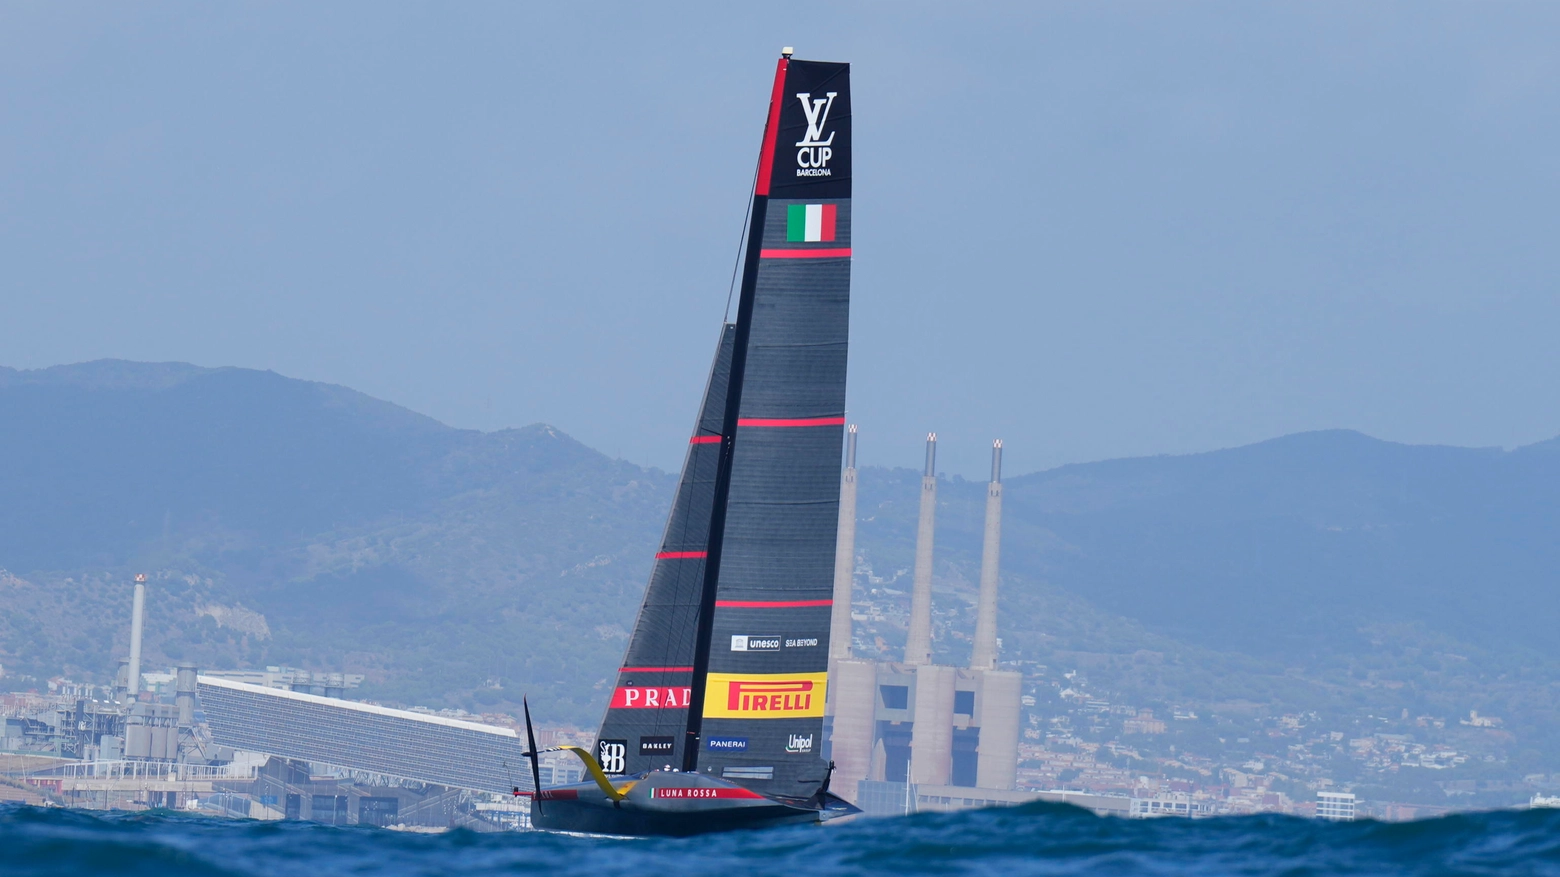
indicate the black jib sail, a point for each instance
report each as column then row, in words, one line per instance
column 644, row 725
column 761, row 657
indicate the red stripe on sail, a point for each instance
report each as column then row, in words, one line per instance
column 826, row 232
column 766, row 155
column 771, row 604
column 704, row 440
column 830, row 253
column 680, row 555
column 656, row 670
column 796, row 421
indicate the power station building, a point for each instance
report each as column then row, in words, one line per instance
column 908, row 730
column 277, row 743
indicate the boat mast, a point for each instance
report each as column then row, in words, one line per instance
column 728, row 432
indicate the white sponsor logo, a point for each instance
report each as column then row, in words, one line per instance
column 799, row 743
column 817, row 116
column 650, row 697
column 749, row 643
column 812, row 159
column 655, row 745
column 611, row 755
column 801, row 642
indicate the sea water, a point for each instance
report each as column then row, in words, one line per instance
column 1032, row 839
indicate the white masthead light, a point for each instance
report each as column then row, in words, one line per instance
column 787, row 52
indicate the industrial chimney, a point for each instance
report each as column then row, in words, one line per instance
column 121, row 680
column 984, row 655
column 137, row 618
column 184, row 692
column 844, row 556
column 918, row 641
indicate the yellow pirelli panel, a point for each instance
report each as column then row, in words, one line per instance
column 764, row 695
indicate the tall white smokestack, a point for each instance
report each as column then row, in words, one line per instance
column 918, row 642
column 844, row 556
column 137, row 617
column 984, row 655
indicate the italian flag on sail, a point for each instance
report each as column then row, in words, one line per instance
column 809, row 222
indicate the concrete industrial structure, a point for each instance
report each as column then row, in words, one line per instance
column 277, row 743
column 138, row 742
column 984, row 654
column 904, row 732
column 844, row 557
column 137, row 621
column 918, row 638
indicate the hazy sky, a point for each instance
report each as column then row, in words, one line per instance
column 1094, row 230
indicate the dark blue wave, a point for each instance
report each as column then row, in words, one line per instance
column 1034, row 839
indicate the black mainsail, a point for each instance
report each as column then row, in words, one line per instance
column 761, row 660
column 645, row 720
column 718, row 708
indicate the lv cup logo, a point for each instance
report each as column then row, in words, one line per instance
column 817, row 116
column 812, row 158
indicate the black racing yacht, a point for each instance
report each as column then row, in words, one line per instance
column 716, row 720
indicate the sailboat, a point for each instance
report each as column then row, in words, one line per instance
column 716, row 718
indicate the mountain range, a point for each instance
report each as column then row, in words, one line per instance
column 289, row 522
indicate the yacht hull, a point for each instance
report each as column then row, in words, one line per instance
column 674, row 804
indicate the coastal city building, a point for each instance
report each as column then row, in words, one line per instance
column 1335, row 806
